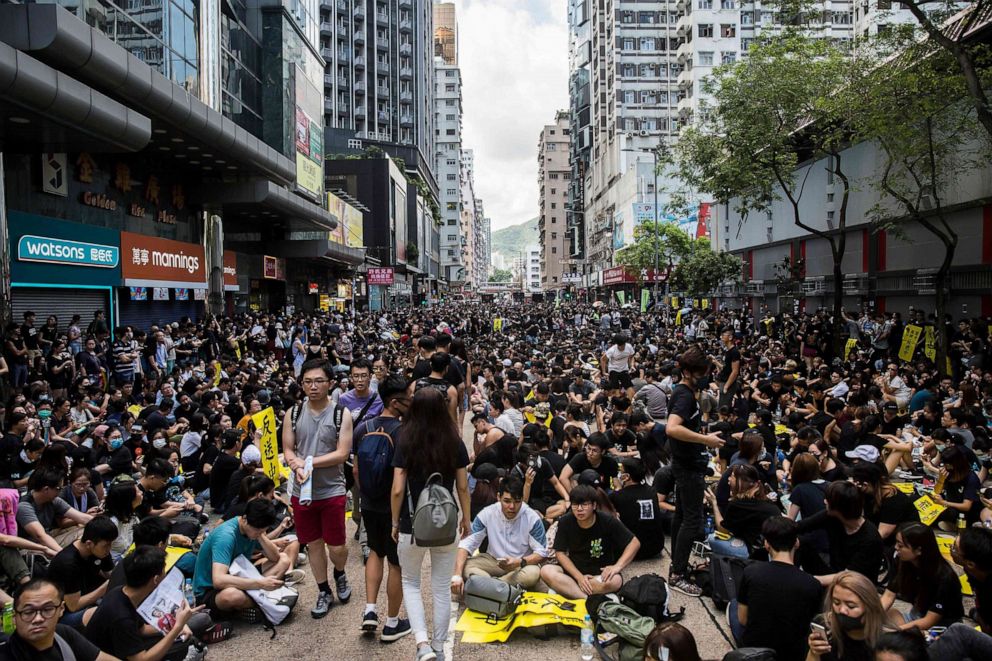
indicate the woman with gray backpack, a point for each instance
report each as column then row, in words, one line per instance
column 428, row 470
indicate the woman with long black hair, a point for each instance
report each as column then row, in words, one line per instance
column 925, row 580
column 429, row 443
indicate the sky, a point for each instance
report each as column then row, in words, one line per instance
column 513, row 56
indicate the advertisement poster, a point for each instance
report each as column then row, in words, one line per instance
column 382, row 275
column 269, row 267
column 337, row 207
column 160, row 293
column 139, row 293
column 182, row 294
column 354, row 227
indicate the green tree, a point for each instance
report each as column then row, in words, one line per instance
column 501, row 275
column 671, row 242
column 918, row 110
column 703, row 269
column 775, row 110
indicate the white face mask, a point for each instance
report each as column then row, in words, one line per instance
column 159, row 443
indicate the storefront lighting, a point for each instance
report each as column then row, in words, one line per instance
column 19, row 120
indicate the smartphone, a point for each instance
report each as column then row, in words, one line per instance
column 818, row 630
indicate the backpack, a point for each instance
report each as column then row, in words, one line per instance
column 726, row 573
column 273, row 606
column 751, row 654
column 648, row 596
column 492, row 597
column 374, row 457
column 435, row 518
column 631, row 630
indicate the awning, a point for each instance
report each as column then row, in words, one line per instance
column 56, row 37
column 250, row 194
column 46, row 109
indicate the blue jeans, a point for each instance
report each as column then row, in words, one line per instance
column 734, row 547
column 736, row 628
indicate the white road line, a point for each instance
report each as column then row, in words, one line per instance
column 449, row 644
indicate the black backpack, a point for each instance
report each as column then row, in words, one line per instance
column 648, row 595
column 726, row 573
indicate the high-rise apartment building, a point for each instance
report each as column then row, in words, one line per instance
column 448, row 165
column 446, row 32
column 379, row 76
column 462, row 248
column 552, row 179
column 579, row 57
column 530, row 268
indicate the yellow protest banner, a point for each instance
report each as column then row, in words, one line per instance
column 172, row 554
column 906, row 487
column 966, row 586
column 134, row 410
column 265, row 421
column 849, row 347
column 678, row 318
column 910, row 337
column 930, row 343
column 705, row 303
column 929, row 510
column 535, row 609
column 498, row 325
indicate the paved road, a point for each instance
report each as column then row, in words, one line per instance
column 338, row 636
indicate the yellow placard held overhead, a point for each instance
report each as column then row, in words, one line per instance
column 929, row 510
column 498, row 325
column 266, row 422
column 906, row 487
column 849, row 347
column 910, row 337
column 930, row 343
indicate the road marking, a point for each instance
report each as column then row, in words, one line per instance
column 449, row 644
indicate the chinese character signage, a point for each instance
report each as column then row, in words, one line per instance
column 380, row 275
column 269, row 267
column 153, row 262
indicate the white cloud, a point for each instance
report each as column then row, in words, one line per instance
column 514, row 60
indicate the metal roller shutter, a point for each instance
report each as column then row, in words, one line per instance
column 63, row 303
column 142, row 315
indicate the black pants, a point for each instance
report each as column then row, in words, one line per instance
column 687, row 526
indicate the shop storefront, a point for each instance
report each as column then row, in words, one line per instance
column 164, row 281
column 62, row 268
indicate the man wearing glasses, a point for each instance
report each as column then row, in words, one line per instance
column 591, row 547
column 38, row 635
column 316, row 449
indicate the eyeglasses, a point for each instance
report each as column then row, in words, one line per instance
column 581, row 506
column 315, row 382
column 29, row 614
column 362, row 377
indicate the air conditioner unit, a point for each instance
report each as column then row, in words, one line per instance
column 643, row 133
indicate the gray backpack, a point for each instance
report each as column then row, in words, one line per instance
column 435, row 519
column 492, row 597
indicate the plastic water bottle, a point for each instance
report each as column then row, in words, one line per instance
column 709, row 524
column 188, row 591
column 962, row 524
column 8, row 618
column 586, row 650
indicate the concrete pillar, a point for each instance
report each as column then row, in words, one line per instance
column 213, row 242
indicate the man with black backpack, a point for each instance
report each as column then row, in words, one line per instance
column 375, row 442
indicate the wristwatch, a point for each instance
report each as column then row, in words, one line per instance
column 523, row 562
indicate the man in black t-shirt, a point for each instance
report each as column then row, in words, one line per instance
column 637, row 505
column 592, row 548
column 82, row 569
column 973, row 551
column 541, row 486
column 776, row 600
column 729, row 376
column 593, row 456
column 38, row 636
column 690, row 460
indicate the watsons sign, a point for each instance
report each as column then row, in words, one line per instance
column 50, row 250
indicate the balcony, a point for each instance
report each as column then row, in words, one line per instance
column 406, row 25
column 382, row 43
column 406, row 97
column 406, row 120
column 326, row 29
column 342, row 6
column 382, row 92
column 382, row 18
column 344, row 56
column 327, row 54
column 405, row 4
column 359, row 87
column 383, row 116
column 406, row 49
column 359, row 111
column 684, row 25
column 328, row 80
column 342, row 107
column 359, row 37
column 685, row 79
column 406, row 72
column 684, row 51
column 359, row 61
column 359, row 12
column 328, row 105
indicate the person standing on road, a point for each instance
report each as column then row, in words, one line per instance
column 730, row 372
column 690, row 459
column 315, row 450
column 374, row 487
column 430, row 444
column 617, row 362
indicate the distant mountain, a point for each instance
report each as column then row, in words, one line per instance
column 513, row 239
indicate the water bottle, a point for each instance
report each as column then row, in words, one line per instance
column 188, row 591
column 962, row 524
column 8, row 618
column 586, row 650
column 709, row 524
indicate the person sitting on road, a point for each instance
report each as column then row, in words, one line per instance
column 637, row 505
column 82, row 569
column 213, row 584
column 517, row 543
column 594, row 456
column 592, row 549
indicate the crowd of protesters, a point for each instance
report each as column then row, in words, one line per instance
column 596, row 434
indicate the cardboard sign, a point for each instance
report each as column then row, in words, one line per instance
column 930, row 343
column 910, row 337
column 929, row 510
column 266, row 422
column 906, row 487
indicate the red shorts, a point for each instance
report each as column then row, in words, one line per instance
column 321, row 519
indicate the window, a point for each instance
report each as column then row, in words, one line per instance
column 554, row 250
column 450, row 73
column 452, row 191
column 551, row 146
column 449, row 88
column 728, row 31
column 452, row 177
column 728, row 57
column 450, row 103
column 627, row 44
column 705, row 58
column 554, row 190
column 450, row 132
column 705, row 30
column 728, row 4
column 647, row 43
column 704, row 4
column 554, row 206
column 553, row 175
column 747, row 18
column 554, row 235
column 450, row 118
column 452, row 161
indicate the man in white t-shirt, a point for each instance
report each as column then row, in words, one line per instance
column 617, row 362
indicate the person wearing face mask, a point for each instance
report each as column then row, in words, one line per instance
column 690, row 461
column 852, row 624
column 116, row 459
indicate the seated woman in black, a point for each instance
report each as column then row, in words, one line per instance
column 960, row 494
column 744, row 514
column 925, row 580
column 885, row 505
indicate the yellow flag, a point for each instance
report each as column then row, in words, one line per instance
column 910, row 337
column 678, row 318
column 266, row 422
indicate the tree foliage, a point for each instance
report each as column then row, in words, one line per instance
column 671, row 243
column 703, row 269
column 501, row 275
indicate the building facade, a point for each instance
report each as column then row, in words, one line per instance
column 553, row 177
